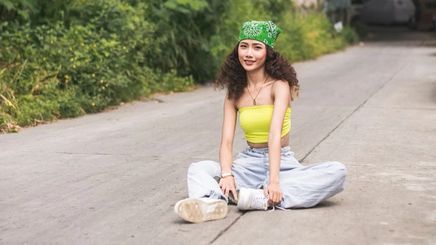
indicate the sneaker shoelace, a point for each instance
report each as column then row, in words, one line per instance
column 278, row 207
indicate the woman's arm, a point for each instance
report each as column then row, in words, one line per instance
column 226, row 149
column 282, row 98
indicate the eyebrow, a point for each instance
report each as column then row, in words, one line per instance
column 254, row 44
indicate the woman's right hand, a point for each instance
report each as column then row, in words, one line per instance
column 228, row 186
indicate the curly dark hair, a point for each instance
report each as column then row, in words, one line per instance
column 233, row 76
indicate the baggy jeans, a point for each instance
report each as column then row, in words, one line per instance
column 302, row 186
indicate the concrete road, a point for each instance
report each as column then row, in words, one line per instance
column 114, row 177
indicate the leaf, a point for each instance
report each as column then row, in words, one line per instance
column 8, row 102
column 9, row 5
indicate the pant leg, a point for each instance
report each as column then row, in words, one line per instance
column 306, row 186
column 249, row 169
column 202, row 180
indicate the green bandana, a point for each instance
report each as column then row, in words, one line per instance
column 263, row 31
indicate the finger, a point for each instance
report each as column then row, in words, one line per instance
column 277, row 198
column 227, row 192
column 234, row 193
column 233, row 190
column 273, row 197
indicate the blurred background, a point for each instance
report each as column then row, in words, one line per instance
column 65, row 58
column 419, row 14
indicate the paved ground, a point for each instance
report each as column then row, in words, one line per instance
column 113, row 178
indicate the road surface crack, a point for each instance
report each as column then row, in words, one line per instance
column 355, row 110
column 226, row 229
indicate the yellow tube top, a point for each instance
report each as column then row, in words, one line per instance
column 255, row 121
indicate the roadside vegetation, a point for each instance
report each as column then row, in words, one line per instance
column 65, row 58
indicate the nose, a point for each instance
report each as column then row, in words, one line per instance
column 249, row 52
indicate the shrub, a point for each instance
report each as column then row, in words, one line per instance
column 51, row 71
column 65, row 58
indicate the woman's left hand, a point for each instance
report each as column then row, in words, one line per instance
column 274, row 193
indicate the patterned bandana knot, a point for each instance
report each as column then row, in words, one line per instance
column 262, row 31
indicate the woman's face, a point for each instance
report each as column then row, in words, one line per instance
column 252, row 54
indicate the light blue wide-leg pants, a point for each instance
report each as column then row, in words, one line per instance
column 302, row 186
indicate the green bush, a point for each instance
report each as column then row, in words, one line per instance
column 54, row 72
column 65, row 58
column 183, row 29
column 349, row 35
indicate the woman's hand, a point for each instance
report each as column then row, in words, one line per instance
column 274, row 193
column 228, row 186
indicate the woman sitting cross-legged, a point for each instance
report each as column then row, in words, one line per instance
column 260, row 87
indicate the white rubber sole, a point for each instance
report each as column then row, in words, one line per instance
column 197, row 210
column 243, row 196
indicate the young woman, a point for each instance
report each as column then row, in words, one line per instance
column 260, row 87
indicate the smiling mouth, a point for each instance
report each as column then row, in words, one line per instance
column 249, row 62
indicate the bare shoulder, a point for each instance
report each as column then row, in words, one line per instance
column 229, row 103
column 280, row 86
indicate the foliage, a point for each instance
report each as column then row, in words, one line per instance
column 17, row 9
column 350, row 35
column 51, row 71
column 183, row 31
column 66, row 58
column 309, row 36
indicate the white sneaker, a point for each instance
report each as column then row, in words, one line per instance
column 251, row 199
column 198, row 210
